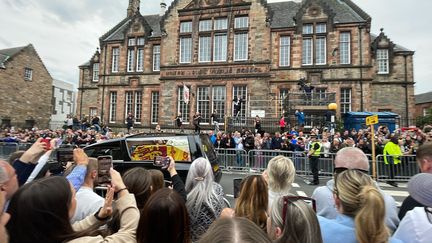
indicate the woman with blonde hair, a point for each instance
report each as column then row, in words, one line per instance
column 280, row 175
column 293, row 219
column 252, row 201
column 362, row 211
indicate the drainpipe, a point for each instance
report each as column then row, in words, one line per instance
column 361, row 67
column 406, row 92
column 103, row 85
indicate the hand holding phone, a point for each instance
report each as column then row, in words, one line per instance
column 162, row 161
column 47, row 141
column 104, row 167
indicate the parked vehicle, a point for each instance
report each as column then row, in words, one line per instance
column 141, row 150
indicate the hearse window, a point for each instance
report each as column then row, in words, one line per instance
column 148, row 148
column 112, row 149
column 208, row 148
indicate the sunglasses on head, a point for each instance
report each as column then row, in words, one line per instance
column 290, row 199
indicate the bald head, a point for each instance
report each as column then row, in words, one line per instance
column 8, row 179
column 351, row 158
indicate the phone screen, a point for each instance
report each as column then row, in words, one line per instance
column 237, row 183
column 64, row 155
column 161, row 161
column 104, row 166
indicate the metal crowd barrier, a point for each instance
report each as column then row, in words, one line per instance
column 403, row 171
column 6, row 149
column 238, row 160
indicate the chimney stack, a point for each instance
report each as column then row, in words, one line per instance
column 163, row 7
column 133, row 8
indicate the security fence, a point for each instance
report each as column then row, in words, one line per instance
column 239, row 160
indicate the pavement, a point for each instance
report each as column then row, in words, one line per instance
column 300, row 187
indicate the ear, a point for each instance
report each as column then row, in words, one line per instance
column 278, row 232
column 94, row 174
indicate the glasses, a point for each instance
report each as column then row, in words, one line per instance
column 290, row 199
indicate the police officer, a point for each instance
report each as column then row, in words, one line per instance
column 314, row 155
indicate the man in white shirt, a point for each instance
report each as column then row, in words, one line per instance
column 88, row 202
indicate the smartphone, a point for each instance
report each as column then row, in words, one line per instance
column 65, row 155
column 161, row 161
column 104, row 166
column 237, row 184
column 47, row 141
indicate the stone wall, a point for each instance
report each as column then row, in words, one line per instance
column 21, row 99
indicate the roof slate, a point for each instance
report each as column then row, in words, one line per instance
column 345, row 12
column 397, row 48
column 118, row 32
column 5, row 54
column 423, row 98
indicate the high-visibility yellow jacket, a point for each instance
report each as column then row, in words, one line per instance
column 393, row 150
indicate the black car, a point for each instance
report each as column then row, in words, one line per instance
column 141, row 150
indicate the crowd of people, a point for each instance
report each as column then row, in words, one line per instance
column 138, row 207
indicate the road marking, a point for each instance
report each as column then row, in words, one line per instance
column 295, row 185
column 397, row 193
column 301, row 193
column 401, row 185
column 229, row 195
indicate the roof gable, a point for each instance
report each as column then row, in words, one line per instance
column 151, row 25
column 10, row 53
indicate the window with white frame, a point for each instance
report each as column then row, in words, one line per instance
column 186, row 27
column 130, row 60
column 220, row 47
column 307, row 51
column 204, row 54
column 182, row 106
column 240, row 46
column 240, row 92
column 133, row 104
column 93, row 111
column 28, row 74
column 140, row 41
column 284, row 51
column 205, row 25
column 140, row 60
column 131, row 42
column 320, row 50
column 219, row 100
column 113, row 107
column 321, row 28
column 155, row 107
column 345, row 48
column 138, row 106
column 241, row 22
column 383, row 61
column 203, row 103
column 221, row 24
column 185, row 49
column 128, row 102
column 345, row 100
column 156, row 58
column 426, row 111
column 314, row 49
column 95, row 72
column 115, row 59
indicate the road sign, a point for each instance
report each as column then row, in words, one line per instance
column 370, row 120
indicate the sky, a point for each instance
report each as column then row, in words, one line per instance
column 66, row 33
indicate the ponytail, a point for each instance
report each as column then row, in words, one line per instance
column 369, row 220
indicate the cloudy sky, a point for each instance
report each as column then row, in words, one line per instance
column 65, row 32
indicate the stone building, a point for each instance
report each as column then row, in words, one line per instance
column 63, row 103
column 219, row 50
column 26, row 88
column 423, row 104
